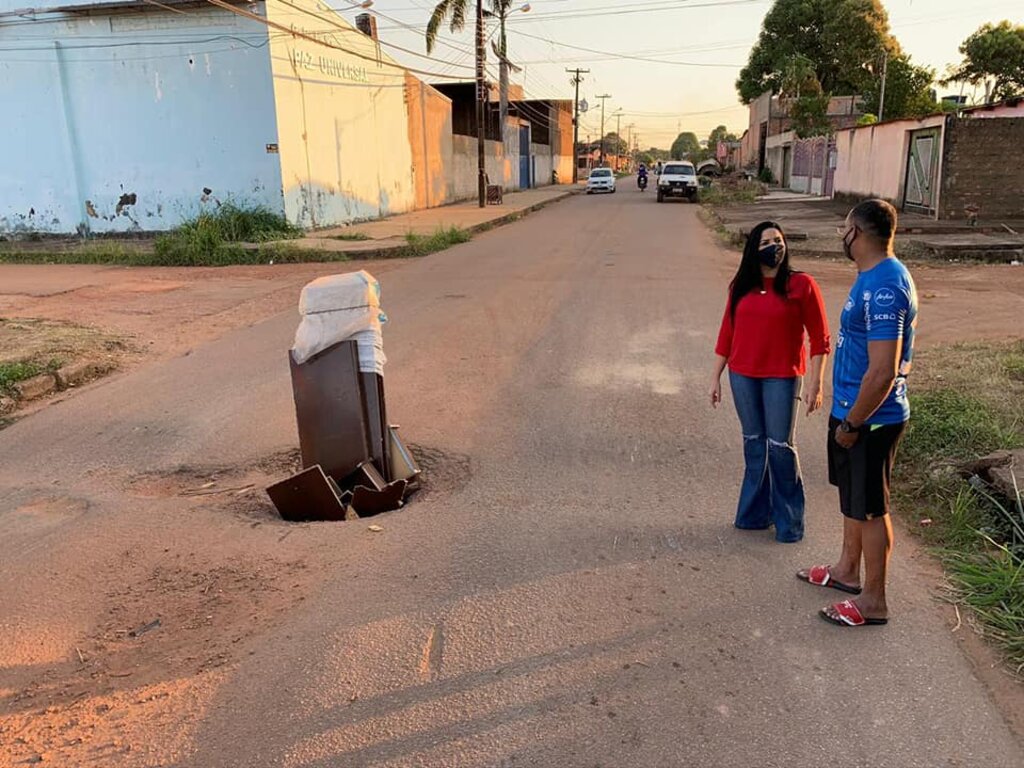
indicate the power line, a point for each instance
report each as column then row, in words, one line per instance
column 611, row 54
column 296, row 33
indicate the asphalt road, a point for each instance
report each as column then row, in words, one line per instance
column 577, row 595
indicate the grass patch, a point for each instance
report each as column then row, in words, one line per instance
column 967, row 401
column 214, row 238
column 446, row 237
column 95, row 252
column 13, row 372
column 728, row 192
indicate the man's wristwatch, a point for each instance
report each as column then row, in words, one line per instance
column 846, row 427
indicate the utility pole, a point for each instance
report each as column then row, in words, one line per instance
column 602, row 98
column 481, row 96
column 881, row 95
column 618, row 139
column 630, row 149
column 577, row 78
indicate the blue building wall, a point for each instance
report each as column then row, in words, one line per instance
column 133, row 119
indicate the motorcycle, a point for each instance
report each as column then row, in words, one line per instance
column 642, row 183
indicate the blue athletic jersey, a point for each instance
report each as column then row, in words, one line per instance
column 882, row 307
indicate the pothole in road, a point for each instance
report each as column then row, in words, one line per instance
column 240, row 490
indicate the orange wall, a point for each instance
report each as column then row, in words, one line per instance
column 430, row 139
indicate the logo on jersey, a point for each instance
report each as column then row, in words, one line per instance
column 849, row 304
column 885, row 297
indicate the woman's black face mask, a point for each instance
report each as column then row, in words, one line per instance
column 771, row 255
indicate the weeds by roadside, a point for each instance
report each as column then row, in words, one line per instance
column 423, row 245
column 13, row 372
column 214, row 238
column 969, row 401
column 728, row 192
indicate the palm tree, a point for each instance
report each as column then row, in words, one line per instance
column 457, row 11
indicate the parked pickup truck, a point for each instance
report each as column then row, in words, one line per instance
column 678, row 179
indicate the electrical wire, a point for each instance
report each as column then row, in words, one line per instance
column 296, row 33
column 614, row 55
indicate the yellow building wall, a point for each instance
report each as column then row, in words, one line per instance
column 343, row 123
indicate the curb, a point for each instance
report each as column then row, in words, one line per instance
column 36, row 387
column 44, row 384
column 512, row 216
column 399, row 251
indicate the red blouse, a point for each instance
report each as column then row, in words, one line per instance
column 766, row 338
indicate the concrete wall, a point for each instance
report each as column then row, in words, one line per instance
column 978, row 169
column 127, row 133
column 543, row 164
column 759, row 112
column 342, row 121
column 464, row 166
column 430, row 137
column 872, row 160
column 561, row 145
column 776, row 156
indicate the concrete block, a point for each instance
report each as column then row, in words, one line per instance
column 73, row 374
column 37, row 386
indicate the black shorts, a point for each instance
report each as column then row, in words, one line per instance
column 862, row 473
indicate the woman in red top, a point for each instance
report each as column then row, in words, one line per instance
column 770, row 313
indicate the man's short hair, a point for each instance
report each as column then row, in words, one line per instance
column 876, row 218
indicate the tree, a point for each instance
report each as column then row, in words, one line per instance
column 457, row 11
column 454, row 11
column 721, row 133
column 685, row 145
column 993, row 57
column 615, row 144
column 799, row 78
column 841, row 39
column 810, row 116
column 908, row 90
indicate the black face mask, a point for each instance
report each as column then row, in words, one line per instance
column 848, row 246
column 771, row 255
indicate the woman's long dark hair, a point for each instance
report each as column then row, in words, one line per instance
column 748, row 277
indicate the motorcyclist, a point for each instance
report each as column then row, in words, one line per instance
column 641, row 176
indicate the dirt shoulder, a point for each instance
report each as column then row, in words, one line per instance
column 163, row 311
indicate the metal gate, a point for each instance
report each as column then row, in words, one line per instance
column 922, row 171
column 524, row 157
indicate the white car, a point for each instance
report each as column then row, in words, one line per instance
column 601, row 180
column 678, row 179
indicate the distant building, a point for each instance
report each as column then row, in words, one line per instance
column 128, row 115
column 771, row 143
column 942, row 166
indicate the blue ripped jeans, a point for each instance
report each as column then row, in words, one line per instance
column 772, row 491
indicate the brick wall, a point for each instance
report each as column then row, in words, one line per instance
column 982, row 165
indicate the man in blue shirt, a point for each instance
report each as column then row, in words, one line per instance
column 873, row 354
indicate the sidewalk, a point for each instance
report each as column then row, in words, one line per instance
column 812, row 222
column 386, row 236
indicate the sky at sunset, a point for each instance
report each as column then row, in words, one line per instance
column 668, row 65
